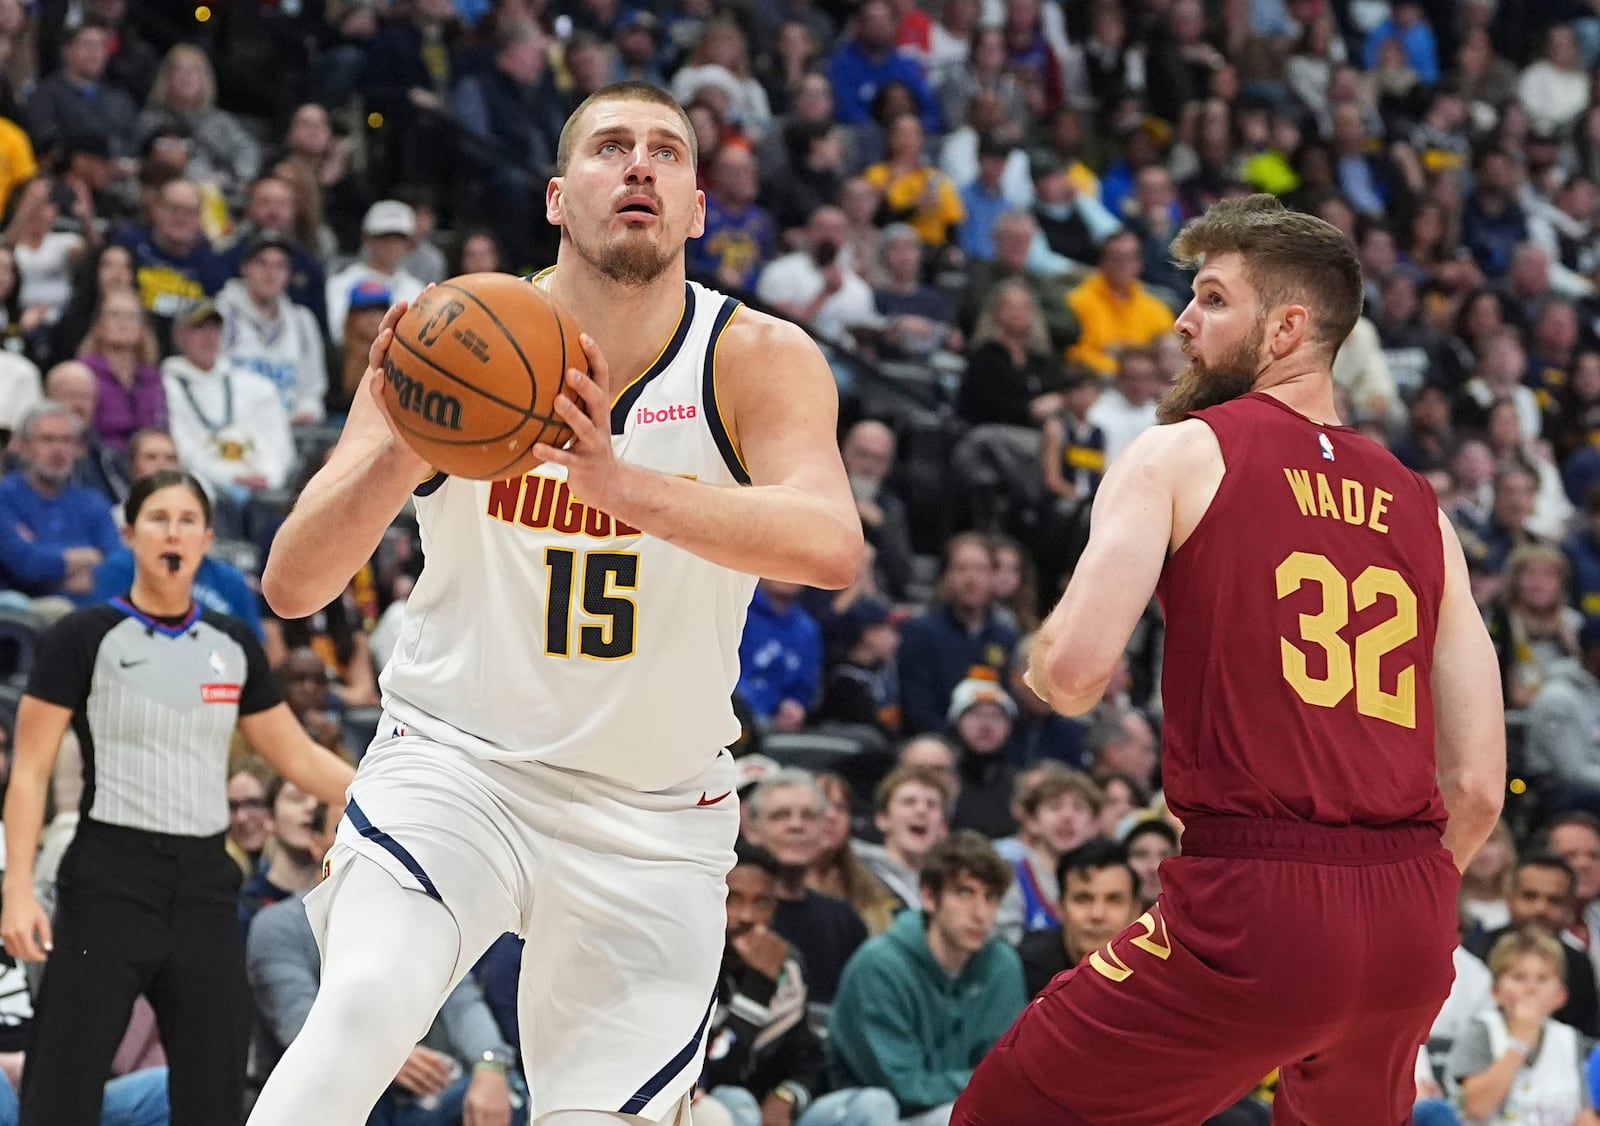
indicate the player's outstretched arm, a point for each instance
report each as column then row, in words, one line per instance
column 1081, row 642
column 1469, row 717
column 797, row 523
column 341, row 516
column 276, row 735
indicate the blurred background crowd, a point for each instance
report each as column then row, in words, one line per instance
column 205, row 210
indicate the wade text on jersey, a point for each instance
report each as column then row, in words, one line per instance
column 1352, row 501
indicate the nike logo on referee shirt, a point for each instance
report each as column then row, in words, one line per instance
column 127, row 664
column 711, row 801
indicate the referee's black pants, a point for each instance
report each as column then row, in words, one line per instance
column 141, row 912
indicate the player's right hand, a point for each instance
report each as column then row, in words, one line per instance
column 25, row 927
column 425, row 1072
column 377, row 355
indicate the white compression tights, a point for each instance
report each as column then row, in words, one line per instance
column 390, row 956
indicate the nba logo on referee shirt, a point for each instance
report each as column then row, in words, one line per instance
column 219, row 693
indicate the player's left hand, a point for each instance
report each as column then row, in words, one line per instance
column 488, row 1101
column 593, row 469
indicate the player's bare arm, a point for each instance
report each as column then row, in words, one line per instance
column 341, row 516
column 1137, row 511
column 276, row 735
column 1469, row 717
column 797, row 522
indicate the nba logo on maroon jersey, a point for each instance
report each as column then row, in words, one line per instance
column 1327, row 447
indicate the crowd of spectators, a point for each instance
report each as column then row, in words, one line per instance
column 205, row 210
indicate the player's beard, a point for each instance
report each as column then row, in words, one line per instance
column 1199, row 384
column 631, row 259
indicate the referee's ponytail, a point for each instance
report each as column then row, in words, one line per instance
column 145, row 486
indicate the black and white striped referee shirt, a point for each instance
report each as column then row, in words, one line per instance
column 154, row 703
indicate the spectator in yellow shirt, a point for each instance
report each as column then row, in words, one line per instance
column 17, row 162
column 1116, row 312
column 914, row 191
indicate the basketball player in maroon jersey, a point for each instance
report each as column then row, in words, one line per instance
column 1333, row 740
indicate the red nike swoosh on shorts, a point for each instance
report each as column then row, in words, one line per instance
column 711, row 801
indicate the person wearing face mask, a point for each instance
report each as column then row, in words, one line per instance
column 153, row 687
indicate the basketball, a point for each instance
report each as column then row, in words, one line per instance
column 473, row 373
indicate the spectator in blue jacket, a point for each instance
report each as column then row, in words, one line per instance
column 780, row 656
column 1411, row 29
column 961, row 631
column 869, row 60
column 53, row 534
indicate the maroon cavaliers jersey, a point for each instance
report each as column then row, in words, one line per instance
column 1300, row 622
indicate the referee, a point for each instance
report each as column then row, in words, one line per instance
column 154, row 687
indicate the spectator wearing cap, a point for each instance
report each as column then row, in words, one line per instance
column 77, row 98
column 173, row 263
column 740, row 236
column 861, row 687
column 121, row 350
column 264, row 331
column 270, row 206
column 387, row 235
column 228, row 422
column 52, row 533
column 868, row 60
column 369, row 299
column 1114, row 308
column 780, row 656
column 511, row 120
column 981, row 718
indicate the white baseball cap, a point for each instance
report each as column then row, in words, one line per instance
column 390, row 217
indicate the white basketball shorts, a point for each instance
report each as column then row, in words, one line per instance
column 619, row 894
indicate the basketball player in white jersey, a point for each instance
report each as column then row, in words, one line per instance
column 550, row 759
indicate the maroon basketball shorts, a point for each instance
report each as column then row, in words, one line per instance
column 1324, row 952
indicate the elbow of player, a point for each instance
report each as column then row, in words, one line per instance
column 838, row 562
column 286, row 599
column 1071, row 688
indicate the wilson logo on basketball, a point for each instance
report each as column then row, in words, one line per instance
column 220, row 693
column 415, row 396
column 677, row 412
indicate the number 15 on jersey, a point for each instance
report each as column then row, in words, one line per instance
column 601, row 576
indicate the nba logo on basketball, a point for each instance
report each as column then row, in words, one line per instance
column 442, row 316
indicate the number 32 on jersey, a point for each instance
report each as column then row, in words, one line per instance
column 1350, row 668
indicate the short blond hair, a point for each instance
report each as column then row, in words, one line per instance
column 630, row 91
column 1520, row 944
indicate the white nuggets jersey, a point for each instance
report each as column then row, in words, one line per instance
column 543, row 629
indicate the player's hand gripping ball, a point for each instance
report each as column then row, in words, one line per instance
column 473, row 374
